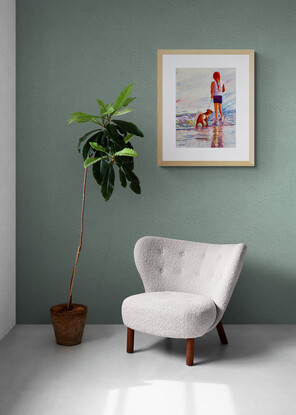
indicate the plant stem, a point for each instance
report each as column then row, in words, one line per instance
column 80, row 244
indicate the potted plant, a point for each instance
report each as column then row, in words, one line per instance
column 104, row 148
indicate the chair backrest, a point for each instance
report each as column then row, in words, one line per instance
column 192, row 267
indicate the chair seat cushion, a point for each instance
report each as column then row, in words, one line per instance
column 169, row 314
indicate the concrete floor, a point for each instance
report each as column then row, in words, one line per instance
column 254, row 374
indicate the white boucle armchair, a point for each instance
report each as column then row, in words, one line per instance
column 188, row 286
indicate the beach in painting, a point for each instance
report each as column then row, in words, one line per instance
column 193, row 97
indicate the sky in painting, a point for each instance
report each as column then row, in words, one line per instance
column 193, row 87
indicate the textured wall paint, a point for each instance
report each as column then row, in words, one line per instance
column 7, row 166
column 68, row 54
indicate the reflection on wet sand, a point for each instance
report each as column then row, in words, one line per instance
column 218, row 136
column 217, row 139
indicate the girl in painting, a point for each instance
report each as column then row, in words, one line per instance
column 217, row 89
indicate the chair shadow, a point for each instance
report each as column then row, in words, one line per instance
column 204, row 351
column 243, row 344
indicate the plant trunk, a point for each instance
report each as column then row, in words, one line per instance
column 69, row 306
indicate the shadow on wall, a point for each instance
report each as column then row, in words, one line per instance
column 265, row 294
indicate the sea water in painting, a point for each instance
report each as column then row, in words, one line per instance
column 205, row 107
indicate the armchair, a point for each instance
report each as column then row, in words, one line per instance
column 188, row 286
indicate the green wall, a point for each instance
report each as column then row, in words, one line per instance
column 71, row 52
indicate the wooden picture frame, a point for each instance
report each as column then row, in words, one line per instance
column 185, row 77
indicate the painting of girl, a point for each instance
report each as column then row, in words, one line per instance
column 217, row 89
column 206, row 107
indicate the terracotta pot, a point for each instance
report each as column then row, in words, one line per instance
column 68, row 325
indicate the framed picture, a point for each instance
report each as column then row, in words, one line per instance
column 206, row 108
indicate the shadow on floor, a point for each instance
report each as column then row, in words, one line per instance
column 208, row 348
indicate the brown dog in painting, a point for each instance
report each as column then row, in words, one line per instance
column 203, row 118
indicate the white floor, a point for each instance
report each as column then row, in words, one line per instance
column 254, row 374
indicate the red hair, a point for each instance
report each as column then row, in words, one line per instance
column 217, row 78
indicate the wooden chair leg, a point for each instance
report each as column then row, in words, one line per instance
column 130, row 340
column 189, row 352
column 221, row 333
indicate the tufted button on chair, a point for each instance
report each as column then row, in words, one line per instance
column 188, row 286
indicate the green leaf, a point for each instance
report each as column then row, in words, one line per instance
column 103, row 141
column 108, row 182
column 103, row 168
column 122, row 97
column 128, row 101
column 127, row 152
column 129, row 127
column 128, row 137
column 109, row 110
column 93, row 160
column 98, row 137
column 97, row 147
column 121, row 112
column 96, row 172
column 106, row 141
column 99, row 170
column 81, row 117
column 81, row 139
column 122, row 178
column 86, row 148
column 113, row 133
column 135, row 187
column 128, row 161
column 102, row 104
column 131, row 177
